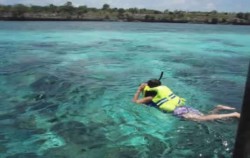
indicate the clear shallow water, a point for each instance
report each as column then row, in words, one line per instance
column 66, row 88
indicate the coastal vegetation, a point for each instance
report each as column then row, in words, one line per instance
column 69, row 12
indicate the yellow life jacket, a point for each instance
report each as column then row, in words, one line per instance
column 164, row 99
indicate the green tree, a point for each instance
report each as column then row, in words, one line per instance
column 68, row 4
column 4, row 8
column 68, row 7
column 166, row 11
column 121, row 11
column 213, row 12
column 114, row 10
column 143, row 11
column 178, row 14
column 50, row 8
column 36, row 9
column 82, row 9
column 93, row 9
column 157, row 12
column 105, row 7
column 247, row 16
column 240, row 15
column 133, row 10
column 18, row 10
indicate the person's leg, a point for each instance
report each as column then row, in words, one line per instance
column 196, row 117
column 221, row 107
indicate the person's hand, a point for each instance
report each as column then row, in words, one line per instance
column 142, row 86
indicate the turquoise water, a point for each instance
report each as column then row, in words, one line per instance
column 66, row 88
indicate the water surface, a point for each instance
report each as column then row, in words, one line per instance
column 66, row 88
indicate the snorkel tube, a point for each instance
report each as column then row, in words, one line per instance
column 160, row 76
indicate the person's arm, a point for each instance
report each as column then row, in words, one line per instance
column 143, row 100
column 137, row 94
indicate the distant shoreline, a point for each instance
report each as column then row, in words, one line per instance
column 104, row 20
column 68, row 12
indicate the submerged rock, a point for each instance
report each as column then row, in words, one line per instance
column 2, row 137
column 16, row 68
column 53, row 120
column 72, row 131
column 67, row 151
column 3, row 149
column 27, row 127
column 156, row 147
column 123, row 152
column 41, row 107
column 21, row 107
column 25, row 155
column 78, row 133
column 26, row 122
column 9, row 115
column 51, row 86
column 44, row 106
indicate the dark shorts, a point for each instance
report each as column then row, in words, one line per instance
column 182, row 110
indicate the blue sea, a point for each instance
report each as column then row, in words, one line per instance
column 66, row 88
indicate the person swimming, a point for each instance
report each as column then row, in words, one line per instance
column 160, row 96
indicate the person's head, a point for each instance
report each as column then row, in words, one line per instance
column 154, row 83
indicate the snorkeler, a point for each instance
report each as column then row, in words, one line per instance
column 160, row 96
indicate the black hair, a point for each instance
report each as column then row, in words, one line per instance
column 154, row 83
column 150, row 93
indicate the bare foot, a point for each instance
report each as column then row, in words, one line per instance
column 223, row 107
column 236, row 114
